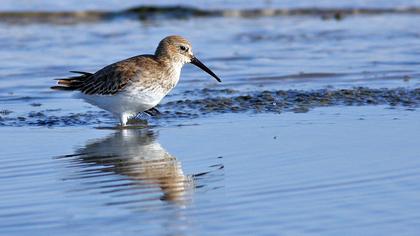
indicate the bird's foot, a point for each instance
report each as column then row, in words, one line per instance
column 135, row 122
column 153, row 112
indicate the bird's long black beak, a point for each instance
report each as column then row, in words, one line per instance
column 198, row 63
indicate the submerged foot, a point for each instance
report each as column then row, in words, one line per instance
column 153, row 112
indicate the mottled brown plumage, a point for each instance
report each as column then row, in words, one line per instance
column 136, row 84
column 115, row 77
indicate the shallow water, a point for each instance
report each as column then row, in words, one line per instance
column 264, row 53
column 273, row 161
column 328, row 171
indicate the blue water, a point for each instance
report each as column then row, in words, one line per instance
column 330, row 171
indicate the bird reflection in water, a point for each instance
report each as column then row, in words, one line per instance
column 136, row 154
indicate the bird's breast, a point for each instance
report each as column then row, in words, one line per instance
column 151, row 88
column 159, row 83
column 149, row 96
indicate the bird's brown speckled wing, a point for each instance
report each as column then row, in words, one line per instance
column 110, row 79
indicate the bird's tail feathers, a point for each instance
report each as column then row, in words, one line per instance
column 72, row 83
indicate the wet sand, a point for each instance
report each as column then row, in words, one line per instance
column 212, row 101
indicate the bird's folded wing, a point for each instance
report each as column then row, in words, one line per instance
column 112, row 78
column 109, row 80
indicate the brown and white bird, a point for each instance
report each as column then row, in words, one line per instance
column 136, row 84
column 138, row 155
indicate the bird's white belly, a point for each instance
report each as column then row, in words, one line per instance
column 129, row 102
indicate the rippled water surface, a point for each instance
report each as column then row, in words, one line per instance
column 324, row 172
column 286, row 145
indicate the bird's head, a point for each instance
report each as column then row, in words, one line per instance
column 178, row 50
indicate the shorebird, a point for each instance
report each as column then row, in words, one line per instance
column 138, row 155
column 136, row 84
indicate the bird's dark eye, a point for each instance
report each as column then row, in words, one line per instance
column 183, row 48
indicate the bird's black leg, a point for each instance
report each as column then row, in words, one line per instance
column 153, row 112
